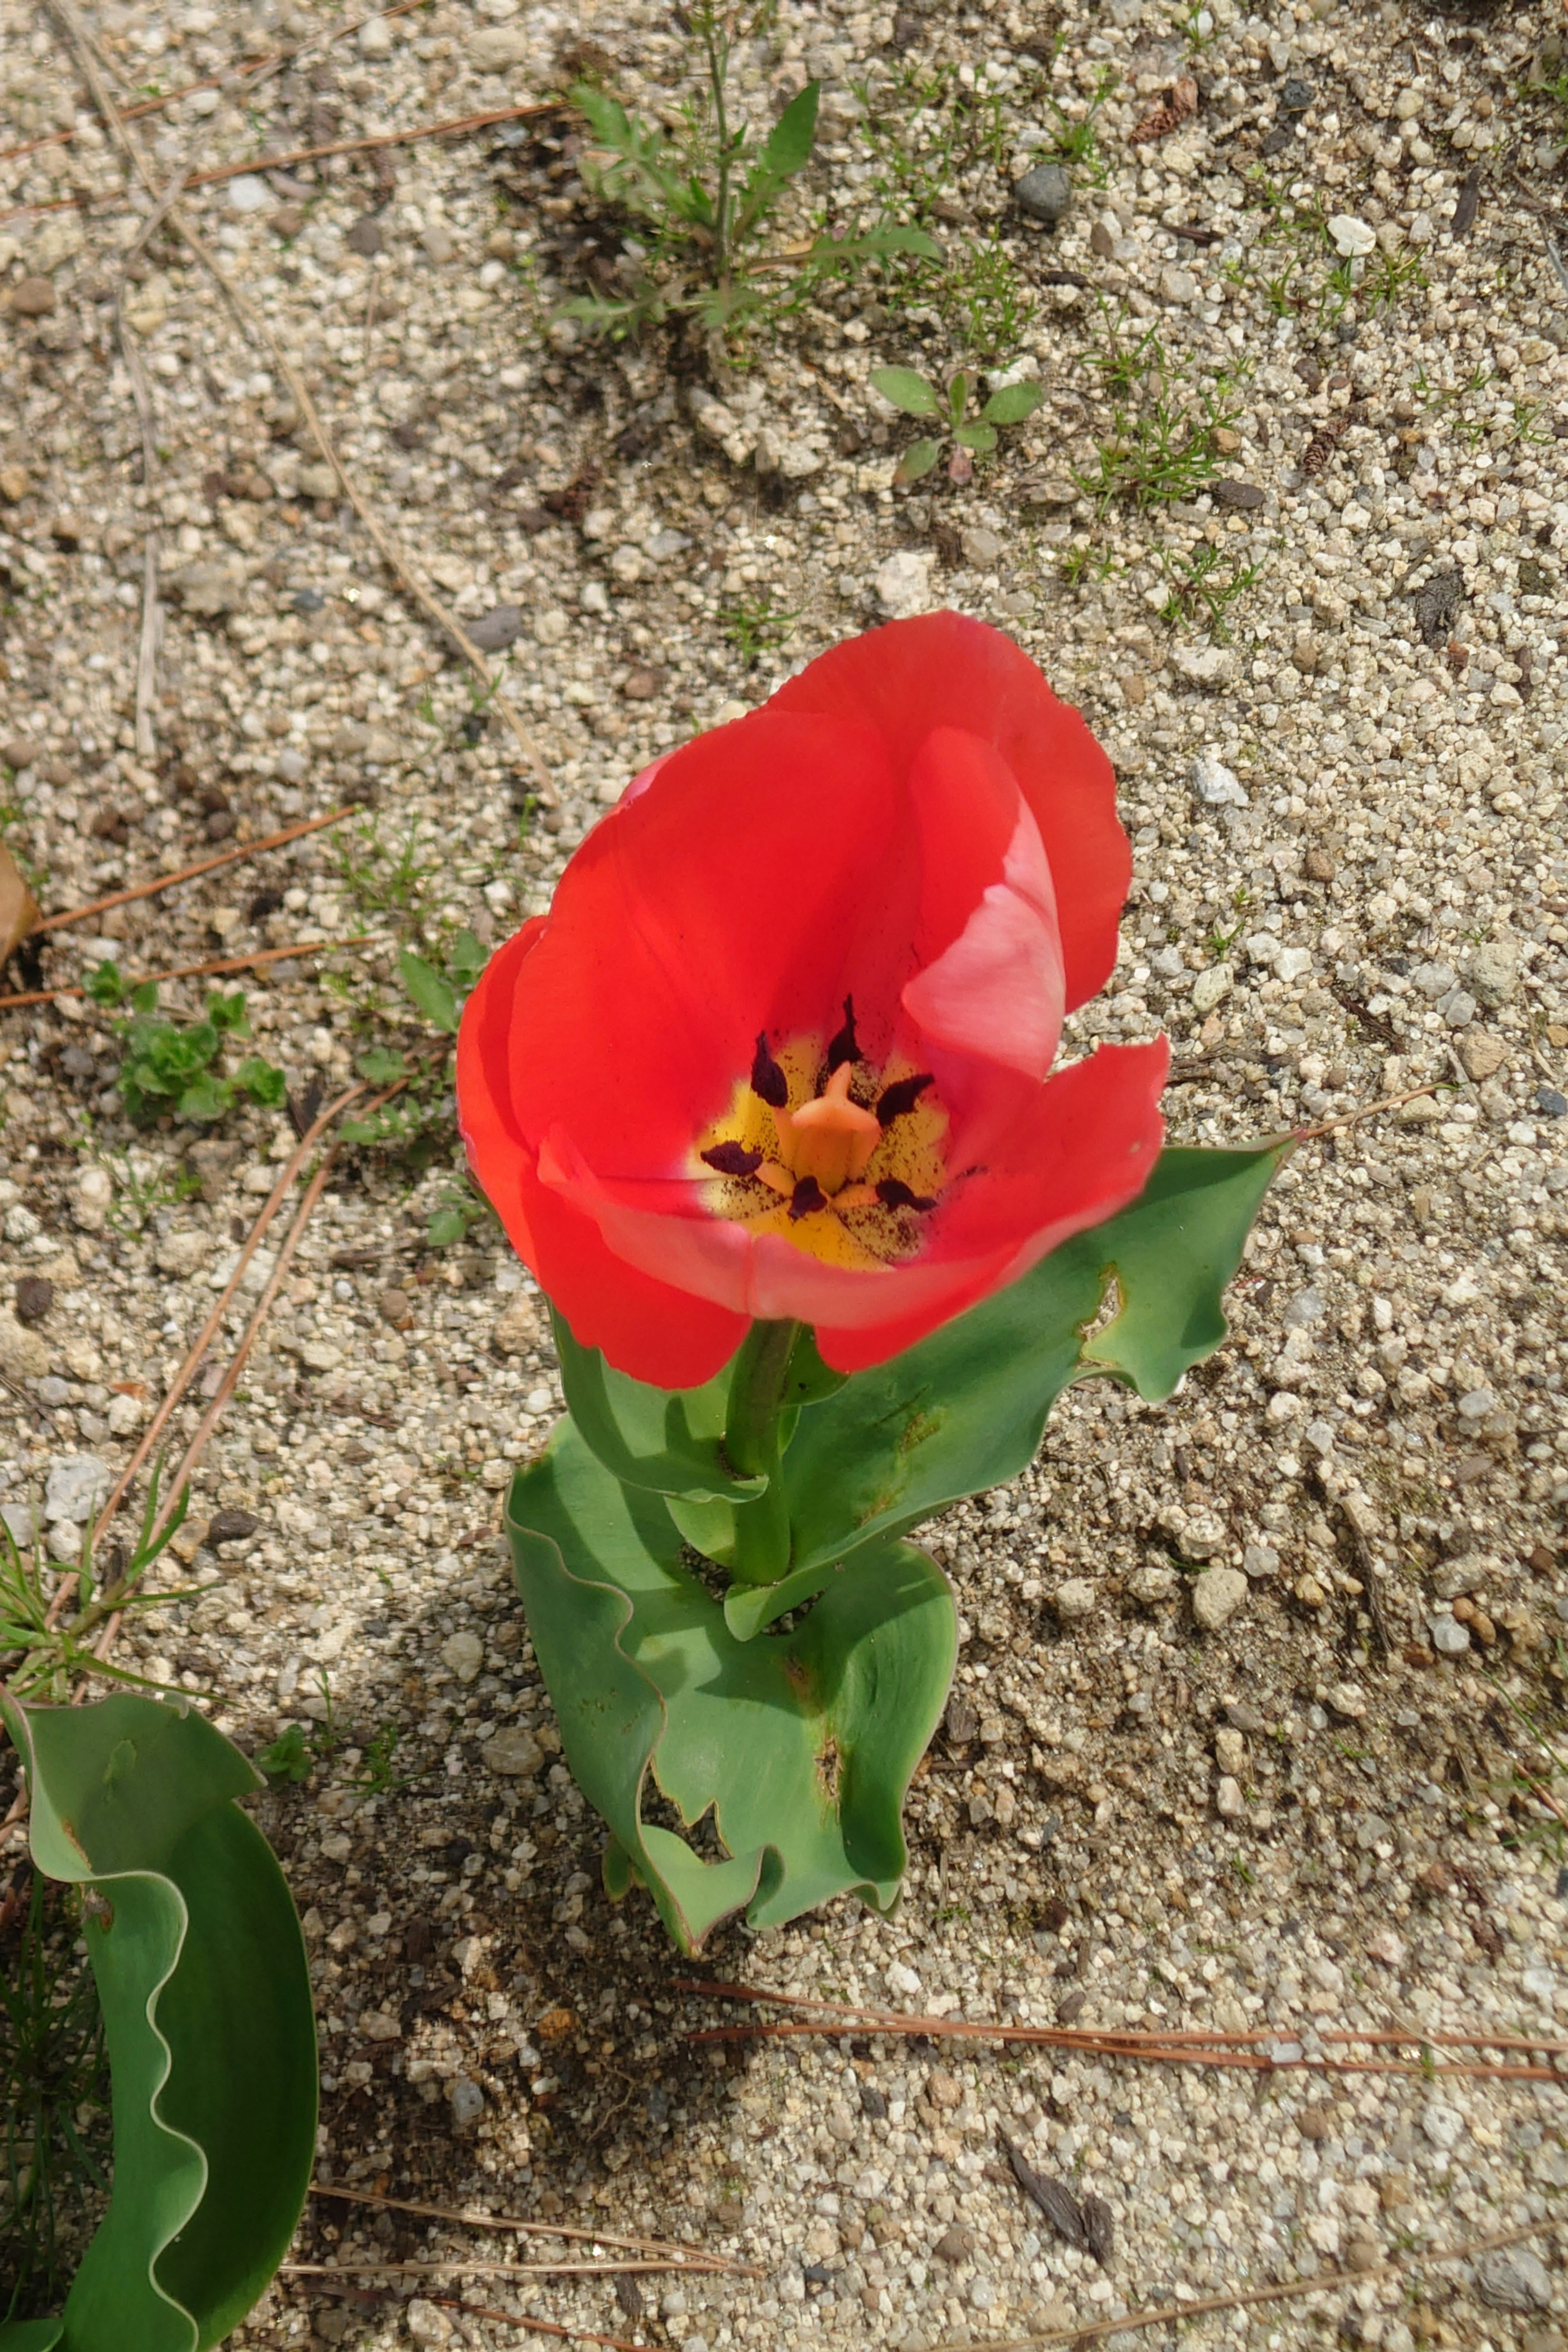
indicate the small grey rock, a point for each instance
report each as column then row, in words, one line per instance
column 467, row 2102
column 1153, row 1584
column 22, row 1355
column 494, row 630
column 1307, row 1307
column 207, row 590
column 1550, row 1103
column 515, row 1752
column 1513, row 2278
column 317, row 481
column 1217, row 1596
column 22, row 1524
column 1493, row 972
column 1216, row 785
column 366, row 236
column 1433, row 980
column 1045, row 193
column 1075, row 1600
column 1259, row 1559
column 77, row 1487
column 427, row 2322
column 1242, row 496
column 1449, row 1638
column 1297, row 96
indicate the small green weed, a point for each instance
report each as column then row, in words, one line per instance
column 44, row 1660
column 1075, row 138
column 754, row 627
column 381, row 880
column 294, row 1754
column 1010, row 403
column 173, row 1067
column 378, row 1775
column 704, row 197
column 1203, row 585
column 983, row 299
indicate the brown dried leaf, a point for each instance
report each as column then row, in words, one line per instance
column 1061, row 2208
column 19, row 909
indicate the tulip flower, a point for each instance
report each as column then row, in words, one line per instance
column 785, row 1049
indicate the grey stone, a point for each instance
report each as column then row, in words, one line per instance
column 318, row 481
column 1260, row 1559
column 250, row 193
column 1045, row 193
column 1153, row 1584
column 1550, row 1103
column 498, row 46
column 902, row 582
column 1243, row 496
column 1476, row 1404
column 1232, row 1804
column 208, row 590
column 1449, row 1638
column 1493, row 972
column 1075, row 1600
column 53, row 1392
column 494, row 630
column 1472, row 1571
column 1433, row 980
column 427, row 2322
column 1217, row 1596
column 464, row 1653
column 1513, row 2278
column 22, row 1524
column 77, row 1487
column 1216, row 785
column 467, row 2102
column 513, row 1751
column 1211, row 985
column 1308, row 1307
column 1459, row 1008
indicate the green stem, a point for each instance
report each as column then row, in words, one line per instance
column 751, row 1447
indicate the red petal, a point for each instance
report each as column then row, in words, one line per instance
column 765, row 877
column 646, row 1329
column 942, row 670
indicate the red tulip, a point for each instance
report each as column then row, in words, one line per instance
column 782, row 1048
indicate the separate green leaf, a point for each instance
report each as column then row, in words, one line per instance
column 784, row 151
column 144, row 999
column 287, row 1757
column 205, row 1992
column 917, row 460
column 1011, row 403
column 381, row 1066
column 801, row 1746
column 106, row 985
column 227, row 1014
column 443, row 1227
column 906, row 390
column 467, row 961
column 206, row 1098
column 966, row 1408
column 668, row 1442
column 263, row 1081
column 959, row 387
column 975, row 436
column 432, row 996
column 30, row 2334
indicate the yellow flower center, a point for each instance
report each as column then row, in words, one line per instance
column 842, row 1161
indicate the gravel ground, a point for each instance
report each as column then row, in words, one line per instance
column 1254, row 1685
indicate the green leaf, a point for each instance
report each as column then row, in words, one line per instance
column 205, row 1099
column 663, row 1440
column 263, row 1081
column 784, row 151
column 286, row 1759
column 1011, row 403
column 381, row 1066
column 959, row 387
column 30, row 2334
column 467, row 961
column 227, row 1014
column 144, row 999
column 801, row 1747
column 906, row 390
column 105, row 985
column 965, row 1408
column 432, row 996
column 918, row 459
column 895, row 236
column 206, row 1991
column 443, row 1227
column 975, row 436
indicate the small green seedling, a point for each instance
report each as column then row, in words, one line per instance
column 168, row 1067
column 1010, row 403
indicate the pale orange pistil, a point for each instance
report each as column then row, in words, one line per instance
column 830, row 1138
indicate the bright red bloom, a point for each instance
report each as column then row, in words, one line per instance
column 781, row 1047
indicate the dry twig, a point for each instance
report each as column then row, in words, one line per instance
column 1082, row 2333
column 694, row 2258
column 213, row 967
column 189, row 873
column 375, row 140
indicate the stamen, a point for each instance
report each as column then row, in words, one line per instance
column 893, row 1193
column 896, row 1100
column 733, row 1160
column 768, row 1080
column 844, row 1046
column 807, row 1196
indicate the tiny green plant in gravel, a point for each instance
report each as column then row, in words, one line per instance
column 1161, row 446
column 1204, row 586
column 43, row 1660
column 754, row 627
column 54, row 2095
column 178, row 1067
column 948, row 404
column 703, row 200
column 416, row 1129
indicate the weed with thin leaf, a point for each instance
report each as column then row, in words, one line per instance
column 948, row 404
column 382, row 880
column 45, row 1662
column 703, row 200
column 1075, row 138
column 293, row 1756
column 55, row 2139
column 985, row 303
column 416, row 1128
column 1204, row 586
column 755, row 627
